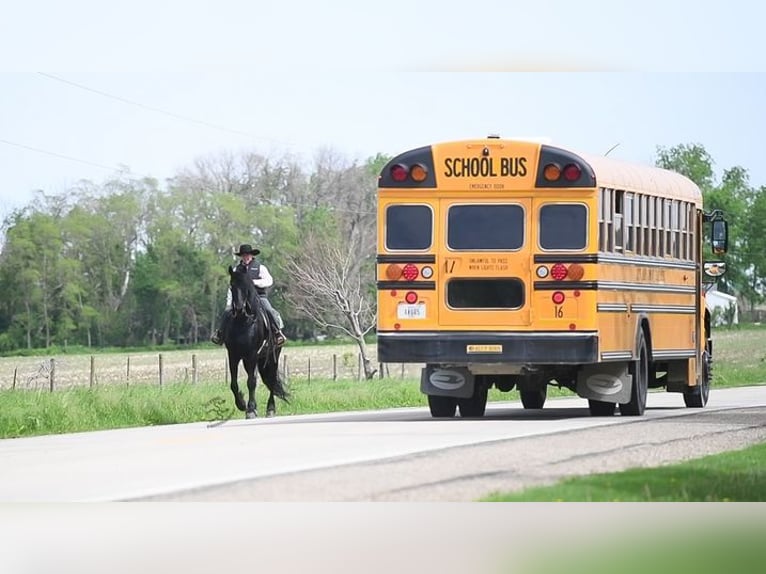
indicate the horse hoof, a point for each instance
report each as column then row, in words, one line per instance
column 251, row 415
column 270, row 414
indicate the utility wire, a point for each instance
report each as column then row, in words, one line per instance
column 67, row 157
column 158, row 110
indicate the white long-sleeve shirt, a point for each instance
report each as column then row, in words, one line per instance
column 264, row 282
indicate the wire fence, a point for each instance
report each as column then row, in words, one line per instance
column 56, row 373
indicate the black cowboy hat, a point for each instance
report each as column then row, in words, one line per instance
column 246, row 248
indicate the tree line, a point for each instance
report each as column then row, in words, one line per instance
column 131, row 262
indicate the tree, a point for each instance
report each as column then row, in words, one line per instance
column 329, row 286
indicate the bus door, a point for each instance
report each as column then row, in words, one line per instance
column 485, row 263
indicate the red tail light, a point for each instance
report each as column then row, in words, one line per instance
column 558, row 298
column 411, row 297
column 399, row 172
column 572, row 172
column 559, row 272
column 410, row 272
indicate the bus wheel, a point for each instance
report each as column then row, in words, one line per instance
column 696, row 398
column 476, row 405
column 640, row 371
column 534, row 398
column 600, row 408
column 442, row 407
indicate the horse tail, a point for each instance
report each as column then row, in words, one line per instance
column 274, row 383
column 279, row 389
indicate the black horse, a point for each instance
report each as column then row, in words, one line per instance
column 249, row 339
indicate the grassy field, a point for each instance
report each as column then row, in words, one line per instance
column 737, row 476
column 739, row 356
column 681, row 542
column 126, row 389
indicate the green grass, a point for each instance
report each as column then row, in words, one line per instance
column 708, row 544
column 739, row 356
column 26, row 413
column 38, row 412
column 737, row 476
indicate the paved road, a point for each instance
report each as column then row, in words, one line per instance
column 399, row 454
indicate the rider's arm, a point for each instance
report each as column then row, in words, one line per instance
column 266, row 279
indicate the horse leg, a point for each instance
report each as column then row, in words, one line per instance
column 269, row 371
column 239, row 398
column 252, row 407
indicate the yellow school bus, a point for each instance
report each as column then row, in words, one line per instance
column 517, row 264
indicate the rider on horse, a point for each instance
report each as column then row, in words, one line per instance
column 262, row 280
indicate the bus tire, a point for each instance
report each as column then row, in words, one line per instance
column 600, row 408
column 534, row 398
column 697, row 396
column 442, row 407
column 639, row 369
column 476, row 405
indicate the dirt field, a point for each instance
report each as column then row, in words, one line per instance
column 177, row 367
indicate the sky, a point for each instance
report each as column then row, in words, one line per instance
column 88, row 88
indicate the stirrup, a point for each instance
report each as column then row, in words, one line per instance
column 279, row 338
column 217, row 338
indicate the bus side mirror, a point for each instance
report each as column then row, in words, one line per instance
column 714, row 269
column 719, row 236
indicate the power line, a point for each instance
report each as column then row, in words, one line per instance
column 158, row 110
column 68, row 157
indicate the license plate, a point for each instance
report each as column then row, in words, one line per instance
column 406, row 311
column 483, row 348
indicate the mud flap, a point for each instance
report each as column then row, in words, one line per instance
column 607, row 382
column 455, row 382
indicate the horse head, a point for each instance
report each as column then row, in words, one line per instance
column 244, row 297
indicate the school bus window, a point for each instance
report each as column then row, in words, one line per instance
column 563, row 226
column 485, row 227
column 629, row 223
column 644, row 217
column 408, row 227
column 495, row 293
column 605, row 232
column 668, row 229
column 676, row 228
column 688, row 224
column 661, row 228
column 619, row 224
column 652, row 226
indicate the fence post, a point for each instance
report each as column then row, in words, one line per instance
column 194, row 369
column 160, row 364
column 334, row 367
column 286, row 371
column 381, row 366
column 92, row 371
column 127, row 373
column 309, row 369
column 15, row 370
column 402, row 370
column 53, row 373
column 359, row 367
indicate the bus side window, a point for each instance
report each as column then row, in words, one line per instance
column 630, row 214
column 619, row 222
column 605, row 217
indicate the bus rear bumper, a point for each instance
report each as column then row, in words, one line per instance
column 456, row 347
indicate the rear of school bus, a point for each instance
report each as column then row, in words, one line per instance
column 484, row 269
